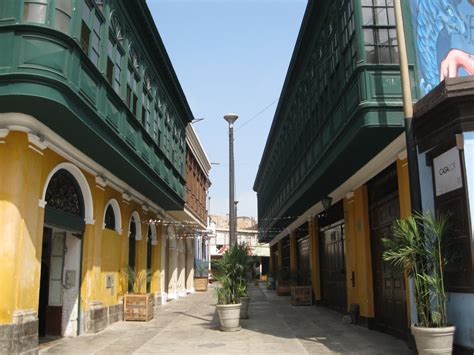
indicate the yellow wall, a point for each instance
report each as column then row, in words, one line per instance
column 358, row 252
column 22, row 181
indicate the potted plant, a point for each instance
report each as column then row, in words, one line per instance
column 137, row 305
column 248, row 261
column 418, row 246
column 230, row 272
column 284, row 281
column 201, row 272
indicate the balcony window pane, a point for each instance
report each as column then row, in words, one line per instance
column 64, row 5
column 62, row 21
column 367, row 16
column 34, row 12
column 381, row 16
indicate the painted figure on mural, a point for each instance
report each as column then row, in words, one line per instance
column 444, row 35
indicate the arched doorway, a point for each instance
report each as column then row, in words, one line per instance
column 131, row 248
column 64, row 223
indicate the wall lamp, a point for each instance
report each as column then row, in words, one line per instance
column 326, row 201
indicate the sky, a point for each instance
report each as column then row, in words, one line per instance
column 231, row 56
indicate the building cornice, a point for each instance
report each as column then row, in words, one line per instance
column 197, row 149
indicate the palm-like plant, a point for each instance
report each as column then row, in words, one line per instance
column 136, row 279
column 417, row 247
column 231, row 274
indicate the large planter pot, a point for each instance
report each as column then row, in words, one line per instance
column 137, row 306
column 229, row 317
column 244, row 308
column 200, row 284
column 437, row 341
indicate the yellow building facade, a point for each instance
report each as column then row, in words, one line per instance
column 84, row 262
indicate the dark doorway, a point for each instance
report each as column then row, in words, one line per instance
column 333, row 267
column 304, row 268
column 389, row 282
column 44, row 280
column 131, row 249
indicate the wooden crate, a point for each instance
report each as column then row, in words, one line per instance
column 138, row 306
column 301, row 296
column 200, row 284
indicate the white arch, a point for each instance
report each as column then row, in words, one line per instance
column 118, row 216
column 154, row 240
column 83, row 185
column 138, row 225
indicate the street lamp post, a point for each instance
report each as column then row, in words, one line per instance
column 412, row 156
column 231, row 118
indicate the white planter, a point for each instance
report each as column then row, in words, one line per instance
column 229, row 316
column 244, row 309
column 437, row 341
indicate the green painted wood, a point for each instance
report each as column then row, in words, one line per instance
column 55, row 218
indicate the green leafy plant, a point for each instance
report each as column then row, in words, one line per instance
column 230, row 272
column 136, row 279
column 418, row 247
column 201, row 268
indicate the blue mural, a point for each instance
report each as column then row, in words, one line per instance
column 444, row 39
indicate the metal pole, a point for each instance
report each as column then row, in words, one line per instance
column 412, row 155
column 232, row 240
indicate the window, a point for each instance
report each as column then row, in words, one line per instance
column 110, row 218
column 146, row 105
column 90, row 33
column 132, row 82
column 114, row 55
column 62, row 15
column 35, row 11
column 379, row 31
column 114, row 64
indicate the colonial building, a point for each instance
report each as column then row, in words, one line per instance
column 93, row 156
column 192, row 241
column 333, row 176
column 337, row 137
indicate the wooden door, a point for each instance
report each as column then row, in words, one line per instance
column 304, row 269
column 389, row 282
column 333, row 267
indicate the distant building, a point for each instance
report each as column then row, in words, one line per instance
column 247, row 233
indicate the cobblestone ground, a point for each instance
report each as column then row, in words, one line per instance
column 190, row 326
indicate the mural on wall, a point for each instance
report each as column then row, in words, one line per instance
column 444, row 38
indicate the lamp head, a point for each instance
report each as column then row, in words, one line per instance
column 231, row 118
column 326, row 201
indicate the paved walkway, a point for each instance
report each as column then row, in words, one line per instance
column 190, row 326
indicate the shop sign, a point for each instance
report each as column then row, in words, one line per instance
column 447, row 172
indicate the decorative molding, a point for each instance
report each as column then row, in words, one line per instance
column 126, row 196
column 145, row 208
column 101, row 181
column 350, row 195
column 3, row 134
column 33, row 148
column 37, row 140
column 90, row 221
column 402, row 155
column 42, row 203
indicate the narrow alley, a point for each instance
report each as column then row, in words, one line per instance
column 190, row 325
